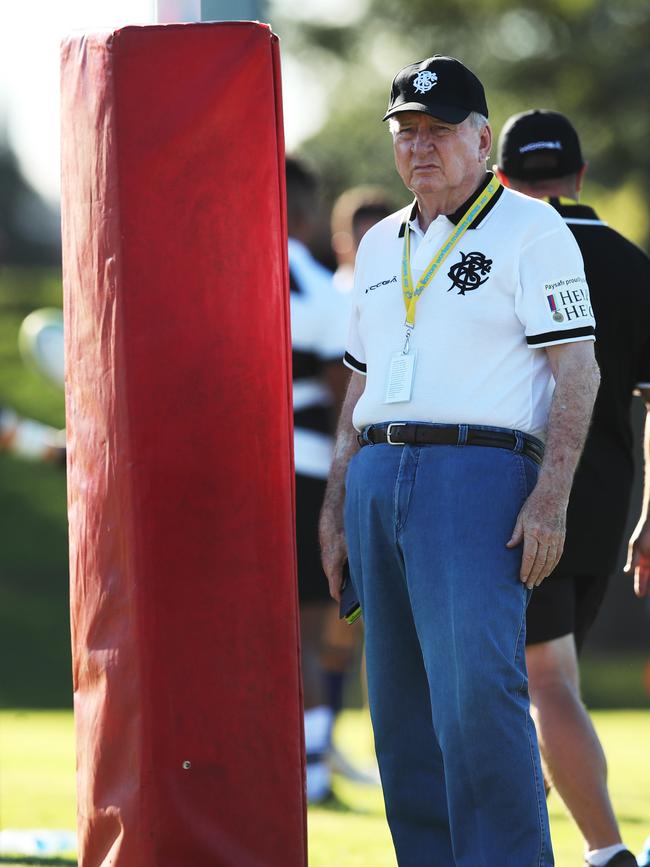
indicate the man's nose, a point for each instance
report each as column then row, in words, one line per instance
column 423, row 140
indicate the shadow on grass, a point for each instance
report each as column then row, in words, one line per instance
column 336, row 804
column 632, row 820
column 24, row 861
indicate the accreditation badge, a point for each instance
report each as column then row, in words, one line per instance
column 400, row 377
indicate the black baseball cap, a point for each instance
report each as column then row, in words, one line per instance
column 440, row 86
column 539, row 144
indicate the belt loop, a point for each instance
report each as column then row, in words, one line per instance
column 519, row 441
column 363, row 437
column 463, row 430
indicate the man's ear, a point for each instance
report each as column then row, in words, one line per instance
column 580, row 177
column 503, row 178
column 485, row 143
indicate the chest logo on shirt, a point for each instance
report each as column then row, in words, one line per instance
column 470, row 273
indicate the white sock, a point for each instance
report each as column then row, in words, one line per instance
column 319, row 779
column 318, row 729
column 600, row 857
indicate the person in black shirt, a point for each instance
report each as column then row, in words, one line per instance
column 539, row 154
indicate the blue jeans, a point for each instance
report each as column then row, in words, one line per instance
column 444, row 615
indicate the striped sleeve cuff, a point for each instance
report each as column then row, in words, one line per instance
column 351, row 362
column 568, row 335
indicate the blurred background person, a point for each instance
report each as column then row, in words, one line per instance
column 29, row 438
column 40, row 339
column 353, row 213
column 318, row 331
column 539, row 154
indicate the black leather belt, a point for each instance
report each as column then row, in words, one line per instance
column 399, row 433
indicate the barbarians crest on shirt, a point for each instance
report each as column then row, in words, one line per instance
column 470, row 273
column 424, row 81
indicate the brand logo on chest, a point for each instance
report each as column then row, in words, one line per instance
column 470, row 273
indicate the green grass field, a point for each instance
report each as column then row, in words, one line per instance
column 36, row 747
column 37, row 789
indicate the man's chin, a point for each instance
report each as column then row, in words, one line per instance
column 430, row 184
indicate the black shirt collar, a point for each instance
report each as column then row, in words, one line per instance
column 568, row 208
column 459, row 213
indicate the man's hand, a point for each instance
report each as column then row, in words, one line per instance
column 541, row 523
column 638, row 554
column 638, row 559
column 334, row 551
column 541, row 526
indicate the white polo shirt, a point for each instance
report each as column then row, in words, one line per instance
column 512, row 285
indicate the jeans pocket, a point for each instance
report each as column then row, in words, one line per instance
column 350, row 467
column 528, row 471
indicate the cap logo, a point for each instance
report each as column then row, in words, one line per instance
column 541, row 145
column 424, row 81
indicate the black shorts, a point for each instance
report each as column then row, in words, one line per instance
column 312, row 581
column 564, row 605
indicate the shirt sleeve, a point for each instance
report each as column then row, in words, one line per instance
column 354, row 357
column 552, row 299
column 355, row 354
column 335, row 316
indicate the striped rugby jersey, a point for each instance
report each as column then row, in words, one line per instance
column 319, row 322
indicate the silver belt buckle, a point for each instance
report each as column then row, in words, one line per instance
column 389, row 432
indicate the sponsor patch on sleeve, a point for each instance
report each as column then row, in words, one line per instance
column 568, row 300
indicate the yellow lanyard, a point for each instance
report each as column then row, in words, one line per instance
column 412, row 295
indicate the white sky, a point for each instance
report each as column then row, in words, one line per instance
column 30, row 32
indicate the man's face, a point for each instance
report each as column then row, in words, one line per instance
column 433, row 156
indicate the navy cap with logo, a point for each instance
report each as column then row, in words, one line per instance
column 440, row 86
column 539, row 144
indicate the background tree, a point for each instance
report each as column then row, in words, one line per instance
column 29, row 227
column 586, row 58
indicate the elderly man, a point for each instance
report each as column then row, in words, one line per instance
column 539, row 154
column 464, row 362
